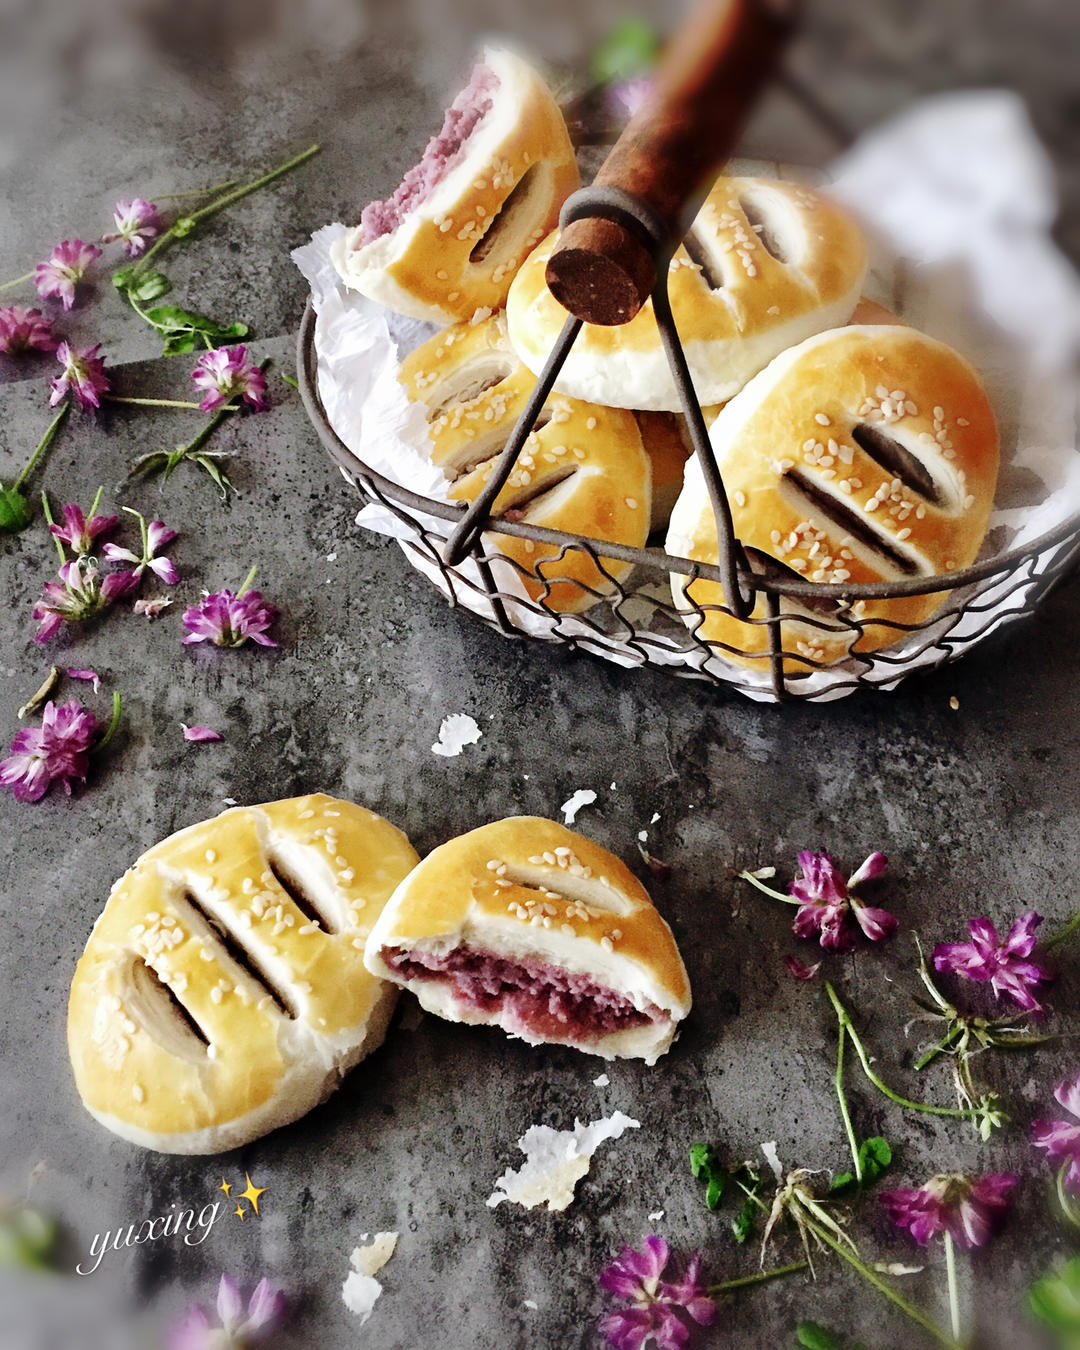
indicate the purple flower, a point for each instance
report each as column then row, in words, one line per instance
column 200, row 733
column 57, row 751
column 83, row 375
column 21, row 329
column 966, row 1209
column 136, row 222
column 79, row 533
column 79, row 592
column 626, row 97
column 265, row 1310
column 1061, row 1138
column 225, row 373
column 152, row 607
column 827, row 903
column 156, row 536
column 1001, row 962
column 64, row 266
column 228, row 620
column 636, row 1276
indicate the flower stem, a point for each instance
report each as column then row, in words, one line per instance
column 768, row 890
column 957, row 1113
column 17, row 281
column 196, row 192
column 43, row 445
column 157, row 402
column 845, row 1115
column 916, row 1315
column 1063, row 933
column 47, row 512
column 289, row 380
column 954, row 1292
column 759, row 1278
column 247, row 582
column 219, row 204
column 939, row 1049
column 217, row 419
column 114, row 721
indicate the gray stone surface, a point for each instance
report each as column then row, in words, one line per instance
column 977, row 807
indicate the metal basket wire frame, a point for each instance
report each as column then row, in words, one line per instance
column 979, row 598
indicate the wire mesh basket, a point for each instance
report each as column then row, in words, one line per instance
column 632, row 618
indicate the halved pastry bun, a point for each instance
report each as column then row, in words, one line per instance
column 525, row 925
column 487, row 189
column 583, row 470
column 865, row 454
column 223, row 992
column 765, row 264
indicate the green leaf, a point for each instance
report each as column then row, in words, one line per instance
column 714, row 1191
column 180, row 344
column 1055, row 1299
column 121, row 278
column 875, row 1155
column 26, row 1238
column 629, row 49
column 150, row 286
column 815, row 1337
column 14, row 511
column 183, row 227
column 842, row 1181
column 699, row 1157
column 704, row 1166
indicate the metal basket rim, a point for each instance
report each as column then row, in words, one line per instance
column 651, row 559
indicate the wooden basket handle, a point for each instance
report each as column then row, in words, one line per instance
column 603, row 269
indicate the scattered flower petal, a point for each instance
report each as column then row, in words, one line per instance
column 1001, row 962
column 800, row 971
column 153, row 606
column 57, row 751
column 83, row 375
column 137, row 222
column 156, row 537
column 22, row 329
column 966, row 1209
column 57, row 275
column 1060, row 1139
column 229, row 620
column 91, row 675
column 225, row 373
column 200, row 733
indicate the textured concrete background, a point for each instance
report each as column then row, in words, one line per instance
column 977, row 807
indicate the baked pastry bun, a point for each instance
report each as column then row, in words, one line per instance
column 223, row 992
column 488, row 187
column 583, row 470
column 765, row 264
column 525, row 925
column 863, row 455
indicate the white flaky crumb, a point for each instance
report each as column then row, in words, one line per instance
column 655, row 817
column 361, row 1290
column 602, row 1081
column 455, row 733
column 656, row 1216
column 643, row 835
column 582, row 797
column 532, row 1304
column 229, row 801
column 555, row 1161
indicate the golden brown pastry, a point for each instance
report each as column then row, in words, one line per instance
column 525, row 925
column 223, row 992
column 865, row 454
column 488, row 188
column 583, row 471
column 765, row 264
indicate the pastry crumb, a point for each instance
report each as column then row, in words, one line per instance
column 570, row 808
column 555, row 1161
column 455, row 733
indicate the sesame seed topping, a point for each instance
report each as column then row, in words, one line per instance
column 821, row 419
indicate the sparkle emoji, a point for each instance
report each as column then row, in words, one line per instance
column 252, row 1193
column 225, row 1187
column 240, row 1211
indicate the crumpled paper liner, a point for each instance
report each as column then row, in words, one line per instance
column 957, row 197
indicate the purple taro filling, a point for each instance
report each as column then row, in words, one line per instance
column 529, row 994
column 442, row 153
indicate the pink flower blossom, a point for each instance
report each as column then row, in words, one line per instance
column 200, row 733
column 1001, row 962
column 78, row 533
column 64, row 266
column 1061, row 1138
column 265, row 1310
column 828, row 903
column 229, row 620
column 156, row 537
column 57, row 751
column 79, row 592
column 225, row 373
column 83, row 375
column 652, row 1313
column 136, row 222
column 21, row 329
column 152, row 607
column 966, row 1209
column 626, row 97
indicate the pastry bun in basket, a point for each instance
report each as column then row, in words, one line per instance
column 582, row 469
column 863, row 455
column 765, row 264
column 223, row 992
column 525, row 925
column 488, row 188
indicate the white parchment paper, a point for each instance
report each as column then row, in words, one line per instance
column 958, row 199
